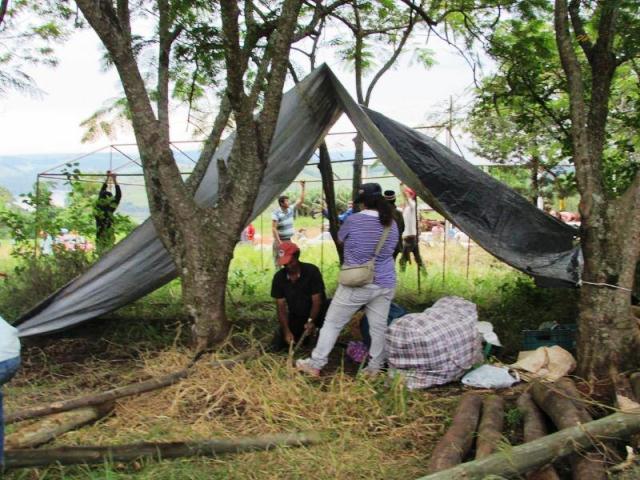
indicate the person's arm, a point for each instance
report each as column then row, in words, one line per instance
column 274, row 229
column 301, row 199
column 316, row 306
column 118, row 191
column 283, row 318
column 105, row 186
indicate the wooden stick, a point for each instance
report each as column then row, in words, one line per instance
column 115, row 393
column 533, row 455
column 457, row 441
column 128, row 453
column 491, row 423
column 564, row 414
column 55, row 425
column 535, row 428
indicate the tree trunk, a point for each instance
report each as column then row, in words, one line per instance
column 535, row 184
column 490, row 428
column 358, row 162
column 457, row 441
column 533, row 455
column 128, row 453
column 326, row 172
column 535, row 428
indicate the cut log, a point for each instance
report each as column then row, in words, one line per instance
column 532, row 455
column 128, row 453
column 120, row 392
column 457, row 441
column 534, row 428
column 634, row 380
column 564, row 414
column 51, row 427
column 490, row 428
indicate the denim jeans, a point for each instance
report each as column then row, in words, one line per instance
column 346, row 302
column 8, row 369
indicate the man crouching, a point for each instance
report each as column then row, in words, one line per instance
column 300, row 298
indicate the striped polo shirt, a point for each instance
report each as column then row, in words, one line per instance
column 360, row 233
column 285, row 222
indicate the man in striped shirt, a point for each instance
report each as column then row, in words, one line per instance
column 282, row 221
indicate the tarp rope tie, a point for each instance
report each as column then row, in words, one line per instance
column 599, row 284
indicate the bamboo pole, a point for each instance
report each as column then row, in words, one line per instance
column 533, row 455
column 128, row 453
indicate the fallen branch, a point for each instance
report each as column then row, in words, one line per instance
column 457, row 441
column 119, row 392
column 128, row 453
column 533, row 455
column 564, row 414
column 55, row 425
column 535, row 428
column 491, row 423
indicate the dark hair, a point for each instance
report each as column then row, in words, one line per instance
column 282, row 198
column 384, row 208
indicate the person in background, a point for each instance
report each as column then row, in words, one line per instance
column 9, row 363
column 45, row 243
column 282, row 221
column 104, row 214
column 390, row 196
column 301, row 301
column 411, row 230
column 347, row 213
column 360, row 235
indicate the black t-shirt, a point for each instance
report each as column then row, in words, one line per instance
column 298, row 294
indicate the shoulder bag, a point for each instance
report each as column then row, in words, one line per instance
column 361, row 275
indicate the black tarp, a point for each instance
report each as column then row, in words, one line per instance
column 496, row 217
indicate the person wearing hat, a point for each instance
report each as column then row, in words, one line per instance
column 282, row 221
column 9, row 363
column 360, row 235
column 390, row 196
column 298, row 289
column 411, row 230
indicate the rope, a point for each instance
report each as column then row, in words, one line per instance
column 601, row 284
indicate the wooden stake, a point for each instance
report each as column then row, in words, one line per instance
column 128, row 453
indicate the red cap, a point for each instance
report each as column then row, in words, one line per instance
column 286, row 250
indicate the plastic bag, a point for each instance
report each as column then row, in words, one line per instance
column 489, row 376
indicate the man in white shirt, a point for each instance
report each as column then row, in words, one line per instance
column 411, row 230
column 9, row 363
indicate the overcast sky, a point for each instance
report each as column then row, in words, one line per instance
column 78, row 87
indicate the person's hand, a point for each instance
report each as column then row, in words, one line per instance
column 113, row 177
column 309, row 327
column 288, row 337
column 302, row 184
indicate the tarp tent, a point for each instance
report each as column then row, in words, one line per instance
column 493, row 215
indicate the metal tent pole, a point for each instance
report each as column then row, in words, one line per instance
column 261, row 242
column 321, row 231
column 444, row 252
column 468, row 254
column 37, row 218
column 417, row 247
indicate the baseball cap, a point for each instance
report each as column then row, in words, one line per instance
column 368, row 190
column 286, row 250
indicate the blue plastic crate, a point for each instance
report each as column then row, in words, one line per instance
column 562, row 335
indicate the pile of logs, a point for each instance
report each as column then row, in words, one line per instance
column 579, row 438
column 63, row 416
